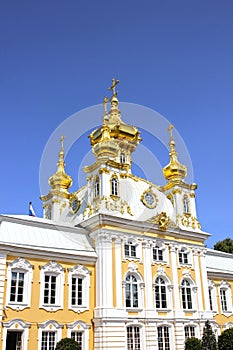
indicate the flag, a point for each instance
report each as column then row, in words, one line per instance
column 31, row 210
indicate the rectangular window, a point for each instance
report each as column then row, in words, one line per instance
column 210, row 299
column 133, row 338
column 189, row 331
column 157, row 254
column 48, row 341
column 183, row 258
column 78, row 337
column 17, row 284
column 130, row 250
column 163, row 338
column 50, row 289
column 223, row 296
column 77, row 291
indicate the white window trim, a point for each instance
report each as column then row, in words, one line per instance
column 164, row 249
column 212, row 287
column 79, row 326
column 17, row 325
column 52, row 268
column 142, row 333
column 50, row 326
column 171, row 333
column 132, row 270
column 82, row 272
column 226, row 286
column 187, row 277
column 136, row 243
column 22, row 266
column 196, row 335
column 161, row 273
column 189, row 256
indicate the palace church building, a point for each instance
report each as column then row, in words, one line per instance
column 119, row 264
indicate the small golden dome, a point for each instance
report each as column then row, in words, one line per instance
column 60, row 180
column 174, row 171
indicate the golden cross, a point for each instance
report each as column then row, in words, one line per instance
column 113, row 86
column 105, row 104
column 170, row 130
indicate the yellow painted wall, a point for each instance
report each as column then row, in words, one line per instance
column 35, row 315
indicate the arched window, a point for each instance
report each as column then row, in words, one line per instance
column 160, row 293
column 114, row 186
column 186, row 204
column 131, row 291
column 186, row 293
column 97, row 187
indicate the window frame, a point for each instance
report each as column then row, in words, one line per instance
column 162, row 345
column 19, row 326
column 80, row 272
column 114, row 186
column 20, row 265
column 49, row 326
column 96, row 187
column 52, row 269
column 134, row 342
column 226, row 288
column 82, row 327
column 213, row 295
column 186, row 291
column 184, row 256
column 190, row 331
column 128, row 289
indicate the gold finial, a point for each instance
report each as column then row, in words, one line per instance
column 60, row 180
column 174, row 171
column 105, row 104
column 113, row 86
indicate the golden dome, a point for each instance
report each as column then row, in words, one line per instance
column 174, row 171
column 60, row 180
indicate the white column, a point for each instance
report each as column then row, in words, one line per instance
column 118, row 272
column 198, row 280
column 204, row 279
column 2, row 284
column 104, row 293
column 176, row 292
column 148, row 275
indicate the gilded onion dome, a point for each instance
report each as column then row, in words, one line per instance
column 113, row 128
column 60, row 180
column 174, row 171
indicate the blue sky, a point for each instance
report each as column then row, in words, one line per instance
column 58, row 57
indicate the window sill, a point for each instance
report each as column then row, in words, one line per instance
column 132, row 310
column 78, row 309
column 51, row 308
column 17, row 306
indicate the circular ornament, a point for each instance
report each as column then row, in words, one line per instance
column 149, row 199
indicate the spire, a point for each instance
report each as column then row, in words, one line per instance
column 60, row 180
column 174, row 171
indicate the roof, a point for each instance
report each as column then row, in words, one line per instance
column 219, row 262
column 41, row 235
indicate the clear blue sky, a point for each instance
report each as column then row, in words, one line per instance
column 176, row 57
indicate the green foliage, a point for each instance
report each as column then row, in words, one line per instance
column 225, row 340
column 208, row 338
column 67, row 344
column 225, row 246
column 192, row 344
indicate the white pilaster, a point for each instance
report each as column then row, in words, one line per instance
column 148, row 275
column 176, row 294
column 198, row 280
column 118, row 272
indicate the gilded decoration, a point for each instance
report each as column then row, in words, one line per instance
column 188, row 220
column 162, row 220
